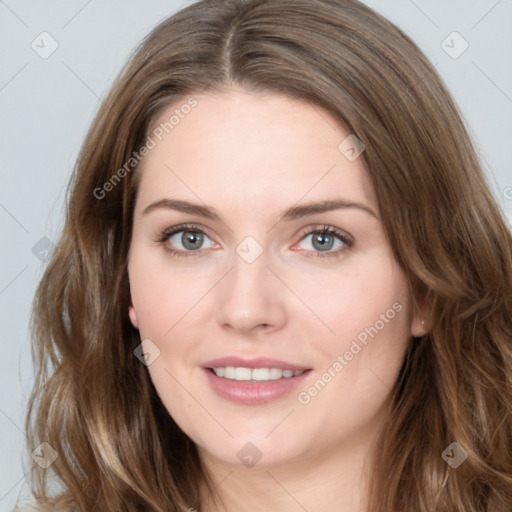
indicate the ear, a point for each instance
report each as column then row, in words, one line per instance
column 133, row 315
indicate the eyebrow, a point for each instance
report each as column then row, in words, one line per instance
column 293, row 213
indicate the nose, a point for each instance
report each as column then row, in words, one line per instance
column 250, row 299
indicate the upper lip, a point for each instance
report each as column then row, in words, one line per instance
column 257, row 362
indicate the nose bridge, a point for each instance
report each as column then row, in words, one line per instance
column 249, row 296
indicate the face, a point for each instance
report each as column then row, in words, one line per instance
column 257, row 242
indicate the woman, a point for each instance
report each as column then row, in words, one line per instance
column 281, row 262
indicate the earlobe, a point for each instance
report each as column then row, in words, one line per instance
column 420, row 324
column 419, row 327
column 133, row 316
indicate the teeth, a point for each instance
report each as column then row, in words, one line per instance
column 242, row 374
column 256, row 374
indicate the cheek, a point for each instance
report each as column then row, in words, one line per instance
column 162, row 294
column 369, row 312
column 368, row 299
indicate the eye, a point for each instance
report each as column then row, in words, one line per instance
column 188, row 239
column 322, row 241
column 184, row 240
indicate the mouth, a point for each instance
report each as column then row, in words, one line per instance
column 254, row 382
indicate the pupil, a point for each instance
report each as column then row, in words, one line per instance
column 325, row 241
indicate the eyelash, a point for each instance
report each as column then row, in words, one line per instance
column 347, row 241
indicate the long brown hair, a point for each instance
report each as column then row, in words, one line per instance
column 93, row 401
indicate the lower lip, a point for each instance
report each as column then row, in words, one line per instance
column 254, row 393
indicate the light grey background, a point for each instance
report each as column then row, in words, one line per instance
column 47, row 104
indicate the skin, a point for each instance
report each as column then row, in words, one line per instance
column 250, row 156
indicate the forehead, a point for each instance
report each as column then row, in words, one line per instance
column 250, row 150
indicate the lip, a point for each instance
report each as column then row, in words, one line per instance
column 253, row 392
column 257, row 362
